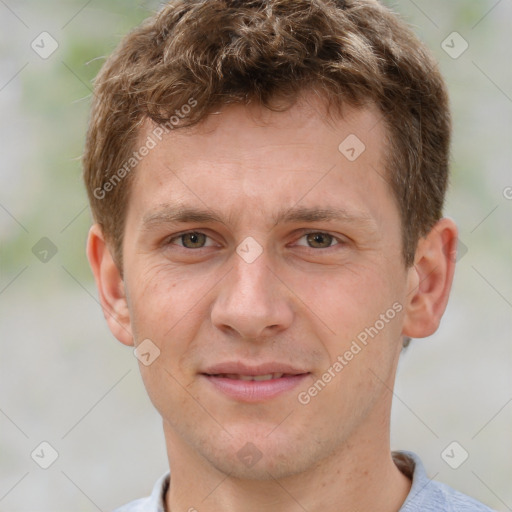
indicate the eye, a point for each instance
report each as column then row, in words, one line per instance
column 319, row 240
column 190, row 240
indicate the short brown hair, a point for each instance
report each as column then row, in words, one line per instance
column 209, row 53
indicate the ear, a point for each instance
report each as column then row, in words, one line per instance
column 430, row 280
column 110, row 286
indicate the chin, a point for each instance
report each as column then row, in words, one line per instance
column 267, row 468
column 258, row 456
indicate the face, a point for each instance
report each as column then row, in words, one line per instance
column 266, row 267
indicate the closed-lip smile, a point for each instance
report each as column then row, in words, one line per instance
column 254, row 383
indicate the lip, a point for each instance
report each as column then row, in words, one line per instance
column 248, row 369
column 254, row 391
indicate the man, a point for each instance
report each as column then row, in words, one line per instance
column 267, row 181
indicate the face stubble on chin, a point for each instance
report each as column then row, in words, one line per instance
column 295, row 303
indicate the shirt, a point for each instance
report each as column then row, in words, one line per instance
column 425, row 494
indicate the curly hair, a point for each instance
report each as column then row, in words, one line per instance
column 196, row 55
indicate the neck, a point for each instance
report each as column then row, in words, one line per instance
column 359, row 475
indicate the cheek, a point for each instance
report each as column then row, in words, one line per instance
column 350, row 295
column 163, row 312
column 170, row 309
column 361, row 307
column 156, row 302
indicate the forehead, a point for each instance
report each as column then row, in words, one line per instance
column 298, row 125
column 262, row 156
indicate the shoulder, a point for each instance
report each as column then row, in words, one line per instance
column 153, row 503
column 140, row 505
column 455, row 501
column 427, row 495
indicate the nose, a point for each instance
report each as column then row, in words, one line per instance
column 253, row 303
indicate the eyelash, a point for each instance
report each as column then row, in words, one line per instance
column 306, row 233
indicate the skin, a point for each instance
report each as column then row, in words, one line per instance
column 302, row 301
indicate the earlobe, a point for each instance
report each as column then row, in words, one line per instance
column 110, row 286
column 430, row 280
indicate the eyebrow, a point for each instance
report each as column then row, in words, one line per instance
column 173, row 214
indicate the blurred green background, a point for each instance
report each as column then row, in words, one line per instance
column 63, row 377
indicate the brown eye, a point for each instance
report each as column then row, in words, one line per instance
column 319, row 240
column 192, row 240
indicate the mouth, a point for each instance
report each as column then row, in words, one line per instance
column 238, row 376
column 253, row 384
